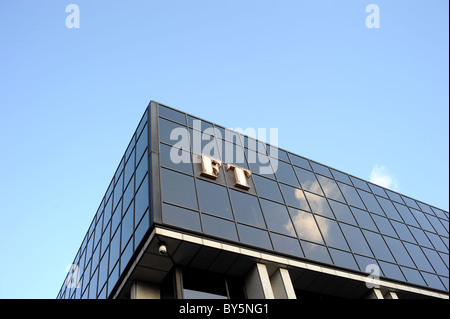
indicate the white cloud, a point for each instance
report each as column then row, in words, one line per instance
column 381, row 176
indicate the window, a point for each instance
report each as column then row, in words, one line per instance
column 344, row 259
column 318, row 168
column 178, row 189
column 399, row 252
column 351, row 195
column 389, row 209
column 378, row 246
column 299, row 161
column 319, row 205
column 254, row 236
column 306, row 225
column 172, row 115
column 330, row 188
column 341, row 177
column 214, row 199
column 331, row 233
column 316, row 252
column 342, row 212
column 371, row 203
column 176, row 159
column 285, row 174
column 308, row 181
column 294, row 197
column 364, row 219
column 277, row 217
column 181, row 217
column 246, row 209
column 267, row 188
column 219, row 227
column 356, row 240
column 286, row 245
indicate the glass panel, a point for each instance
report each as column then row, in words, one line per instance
column 277, row 217
column 413, row 276
column 142, row 169
column 356, row 240
column 364, row 219
column 294, row 197
column 437, row 225
column 234, row 154
column 246, row 208
column 172, row 115
column 378, row 246
column 343, row 259
column 433, row 281
column 423, row 221
column 286, row 245
column 254, row 236
column 141, row 144
column 351, row 195
column 181, row 159
column 436, row 262
column 377, row 190
column 286, row 174
column 299, row 161
column 141, row 201
column 308, row 181
column 384, row 225
column 360, row 183
column 420, row 236
column 259, row 163
column 219, row 227
column 367, row 264
column 437, row 242
column 341, row 177
column 391, row 271
column 277, row 153
column 214, row 199
column 198, row 124
column 232, row 137
column 331, row 233
column 318, row 168
column 403, row 231
column 316, row 252
column 114, row 251
column 371, row 203
column 178, row 188
column 306, row 226
column 410, row 202
column 128, row 196
column 319, row 205
column 418, row 257
column 181, row 217
column 394, row 196
column 425, row 208
column 118, row 191
column 129, row 169
column 330, row 188
column 406, row 214
column 389, row 209
column 180, row 134
column 267, row 188
column 127, row 226
column 342, row 212
column 399, row 252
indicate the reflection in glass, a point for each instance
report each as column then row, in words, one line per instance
column 172, row 115
column 351, row 195
column 176, row 159
column 406, row 214
column 391, row 270
column 389, row 209
column 294, row 197
column 378, row 246
column 356, row 240
column 277, row 217
column 330, row 188
column 343, row 259
column 436, row 262
column 319, row 205
column 413, row 276
column 402, row 231
column 360, row 183
column 418, row 257
column 433, row 281
column 308, row 181
column 246, row 209
column 364, row 219
column 371, row 203
column 423, row 221
column 316, row 252
column 286, row 174
column 318, row 168
column 331, row 233
column 305, row 225
column 399, row 251
column 384, row 225
column 342, row 212
column 299, row 161
column 341, row 177
column 267, row 188
column 286, row 245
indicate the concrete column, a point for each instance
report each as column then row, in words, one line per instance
column 282, row 285
column 390, row 295
column 375, row 293
column 257, row 283
column 143, row 290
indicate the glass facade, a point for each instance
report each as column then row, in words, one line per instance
column 294, row 206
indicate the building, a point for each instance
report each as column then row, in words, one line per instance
column 198, row 211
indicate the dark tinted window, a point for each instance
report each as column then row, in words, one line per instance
column 341, row 177
column 178, row 188
column 351, row 195
column 277, row 217
column 331, row 233
column 360, row 183
column 389, row 209
column 378, row 246
column 399, row 251
column 286, row 174
column 343, row 259
column 364, row 219
column 316, row 252
column 356, row 240
column 176, row 159
column 299, row 161
column 294, row 197
column 306, row 225
column 318, row 168
column 286, row 245
column 246, row 208
column 319, row 205
column 254, row 236
column 172, row 115
column 179, row 136
column 214, row 199
column 219, row 227
column 308, row 181
column 330, row 188
column 342, row 212
column 267, row 188
column 181, row 217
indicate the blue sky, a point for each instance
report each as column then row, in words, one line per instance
column 373, row 102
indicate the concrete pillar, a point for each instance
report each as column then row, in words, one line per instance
column 282, row 285
column 143, row 290
column 257, row 283
column 390, row 295
column 375, row 293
